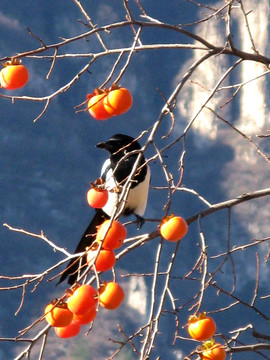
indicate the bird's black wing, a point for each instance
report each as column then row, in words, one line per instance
column 124, row 168
column 87, row 239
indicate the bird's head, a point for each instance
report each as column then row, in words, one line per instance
column 120, row 143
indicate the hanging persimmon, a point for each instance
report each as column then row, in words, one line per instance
column 14, row 75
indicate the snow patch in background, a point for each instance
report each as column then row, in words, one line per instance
column 137, row 295
column 197, row 91
column 253, row 116
column 248, row 112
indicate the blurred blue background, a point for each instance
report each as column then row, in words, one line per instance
column 46, row 168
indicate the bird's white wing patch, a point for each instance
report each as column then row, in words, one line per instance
column 137, row 197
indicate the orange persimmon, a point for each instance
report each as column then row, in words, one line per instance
column 71, row 330
column 104, row 261
column 58, row 315
column 14, row 75
column 201, row 327
column 173, row 228
column 115, row 234
column 110, row 295
column 97, row 198
column 118, row 100
column 83, row 299
column 96, row 107
column 86, row 318
column 213, row 351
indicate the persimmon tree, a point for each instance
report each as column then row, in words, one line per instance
column 204, row 271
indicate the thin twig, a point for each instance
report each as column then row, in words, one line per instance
column 257, row 280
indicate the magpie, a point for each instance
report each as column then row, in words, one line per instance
column 124, row 151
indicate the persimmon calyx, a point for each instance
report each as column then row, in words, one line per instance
column 98, row 184
column 206, row 345
column 114, row 87
column 98, row 187
column 57, row 303
column 167, row 218
column 117, row 189
column 194, row 318
column 93, row 247
column 12, row 62
column 102, row 287
column 69, row 292
column 97, row 91
column 73, row 288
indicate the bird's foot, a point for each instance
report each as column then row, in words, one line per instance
column 139, row 221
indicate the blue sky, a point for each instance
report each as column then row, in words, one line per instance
column 47, row 165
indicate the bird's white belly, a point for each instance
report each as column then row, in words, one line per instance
column 136, row 200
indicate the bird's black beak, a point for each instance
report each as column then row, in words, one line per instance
column 102, row 145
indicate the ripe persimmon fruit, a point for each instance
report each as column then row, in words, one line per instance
column 97, row 198
column 58, row 315
column 83, row 299
column 115, row 234
column 110, row 295
column 95, row 105
column 118, row 100
column 69, row 331
column 173, row 228
column 14, row 75
column 103, row 104
column 213, row 351
column 86, row 318
column 201, row 327
column 105, row 259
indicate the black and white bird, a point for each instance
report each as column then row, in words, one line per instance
column 124, row 151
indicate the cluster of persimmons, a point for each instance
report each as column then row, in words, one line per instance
column 79, row 305
column 105, row 103
column 202, row 328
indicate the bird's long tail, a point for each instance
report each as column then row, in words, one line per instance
column 87, row 239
